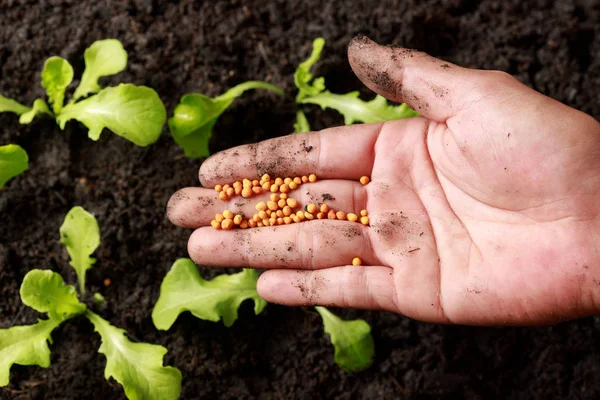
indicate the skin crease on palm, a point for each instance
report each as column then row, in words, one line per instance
column 484, row 211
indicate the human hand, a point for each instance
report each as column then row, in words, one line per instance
column 483, row 211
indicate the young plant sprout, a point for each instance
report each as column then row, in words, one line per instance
column 138, row 367
column 135, row 113
column 13, row 161
column 183, row 289
column 312, row 90
column 196, row 114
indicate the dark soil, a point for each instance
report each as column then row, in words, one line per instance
column 185, row 46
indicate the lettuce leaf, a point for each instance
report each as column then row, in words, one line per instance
column 25, row 345
column 352, row 340
column 80, row 234
column 136, row 366
column 183, row 289
column 103, row 58
column 356, row 110
column 9, row 105
column 56, row 76
column 40, row 107
column 349, row 105
column 135, row 113
column 13, row 161
column 196, row 114
column 45, row 291
column 303, row 76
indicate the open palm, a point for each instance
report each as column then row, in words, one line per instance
column 483, row 211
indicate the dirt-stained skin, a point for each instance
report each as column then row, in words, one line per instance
column 274, row 157
column 387, row 77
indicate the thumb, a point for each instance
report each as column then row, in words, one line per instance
column 434, row 88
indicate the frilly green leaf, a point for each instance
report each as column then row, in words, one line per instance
column 25, row 345
column 45, row 291
column 349, row 105
column 303, row 76
column 135, row 113
column 183, row 289
column 356, row 110
column 56, row 76
column 138, row 367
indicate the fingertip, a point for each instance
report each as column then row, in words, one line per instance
column 269, row 283
column 428, row 85
column 360, row 42
column 376, row 66
column 174, row 208
column 192, row 245
column 203, row 246
column 203, row 173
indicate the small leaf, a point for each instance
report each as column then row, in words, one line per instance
column 25, row 345
column 183, row 289
column 196, row 114
column 13, row 161
column 354, row 109
column 303, row 76
column 9, row 105
column 45, row 291
column 352, row 340
column 195, row 144
column 81, row 236
column 136, row 366
column 103, row 58
column 39, row 108
column 98, row 299
column 194, row 111
column 301, row 124
column 133, row 112
column 56, row 76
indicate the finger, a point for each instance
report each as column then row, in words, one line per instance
column 307, row 245
column 434, row 88
column 196, row 207
column 336, row 153
column 366, row 287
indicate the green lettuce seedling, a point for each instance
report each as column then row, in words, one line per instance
column 196, row 114
column 352, row 341
column 312, row 90
column 135, row 113
column 13, row 161
column 183, row 289
column 138, row 367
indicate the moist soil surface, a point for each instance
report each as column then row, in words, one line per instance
column 178, row 47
